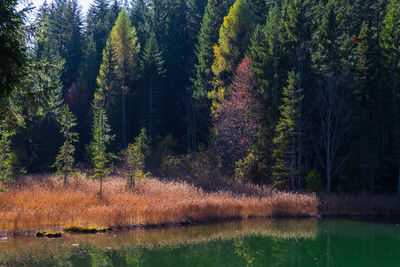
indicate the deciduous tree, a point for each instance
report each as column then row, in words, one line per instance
column 237, row 122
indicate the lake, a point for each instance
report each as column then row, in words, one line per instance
column 251, row 242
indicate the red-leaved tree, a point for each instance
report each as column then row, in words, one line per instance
column 237, row 118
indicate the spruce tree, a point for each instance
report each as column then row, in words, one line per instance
column 267, row 63
column 12, row 49
column 65, row 158
column 285, row 170
column 101, row 130
column 331, row 103
column 96, row 33
column 8, row 159
column 391, row 45
column 294, row 40
column 140, row 17
column 102, row 137
column 106, row 79
column 215, row 11
column 153, row 73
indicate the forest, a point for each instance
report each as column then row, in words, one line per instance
column 298, row 95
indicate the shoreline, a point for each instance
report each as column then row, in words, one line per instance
column 359, row 217
column 33, row 206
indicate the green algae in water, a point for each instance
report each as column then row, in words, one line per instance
column 256, row 242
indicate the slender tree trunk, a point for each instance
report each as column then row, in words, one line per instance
column 328, row 145
column 123, row 118
column 293, row 157
column 194, row 125
column 396, row 136
column 398, row 186
column 151, row 108
column 65, row 178
column 396, row 125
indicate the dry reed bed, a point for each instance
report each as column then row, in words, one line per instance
column 362, row 204
column 44, row 204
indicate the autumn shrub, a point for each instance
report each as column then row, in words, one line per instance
column 164, row 146
column 249, row 169
column 200, row 168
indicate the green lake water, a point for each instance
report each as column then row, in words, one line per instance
column 253, row 242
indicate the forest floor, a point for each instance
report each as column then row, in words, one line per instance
column 33, row 204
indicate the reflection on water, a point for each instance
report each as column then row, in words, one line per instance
column 253, row 242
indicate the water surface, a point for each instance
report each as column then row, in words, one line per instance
column 253, row 242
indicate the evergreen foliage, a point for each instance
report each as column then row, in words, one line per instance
column 65, row 158
column 135, row 157
column 215, row 11
column 287, row 132
column 324, row 74
column 391, row 45
column 153, row 74
column 8, row 159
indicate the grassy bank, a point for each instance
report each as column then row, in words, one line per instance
column 33, row 205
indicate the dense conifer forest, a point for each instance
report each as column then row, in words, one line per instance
column 302, row 95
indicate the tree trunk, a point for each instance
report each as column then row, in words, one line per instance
column 65, row 178
column 293, row 158
column 328, row 146
column 151, row 108
column 123, row 118
column 398, row 186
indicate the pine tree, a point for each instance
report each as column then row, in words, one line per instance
column 101, row 170
column 368, row 107
column 106, row 80
column 295, row 43
column 65, row 158
column 259, row 10
column 101, row 132
column 140, row 17
column 126, row 47
column 215, row 11
column 96, row 33
column 8, row 159
column 267, row 65
column 330, row 101
column 391, row 45
column 64, row 38
column 12, row 50
column 285, row 170
column 102, row 137
column 153, row 73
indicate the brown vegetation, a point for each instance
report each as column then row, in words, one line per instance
column 34, row 204
column 363, row 204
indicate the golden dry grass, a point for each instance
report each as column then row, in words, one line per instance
column 46, row 204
